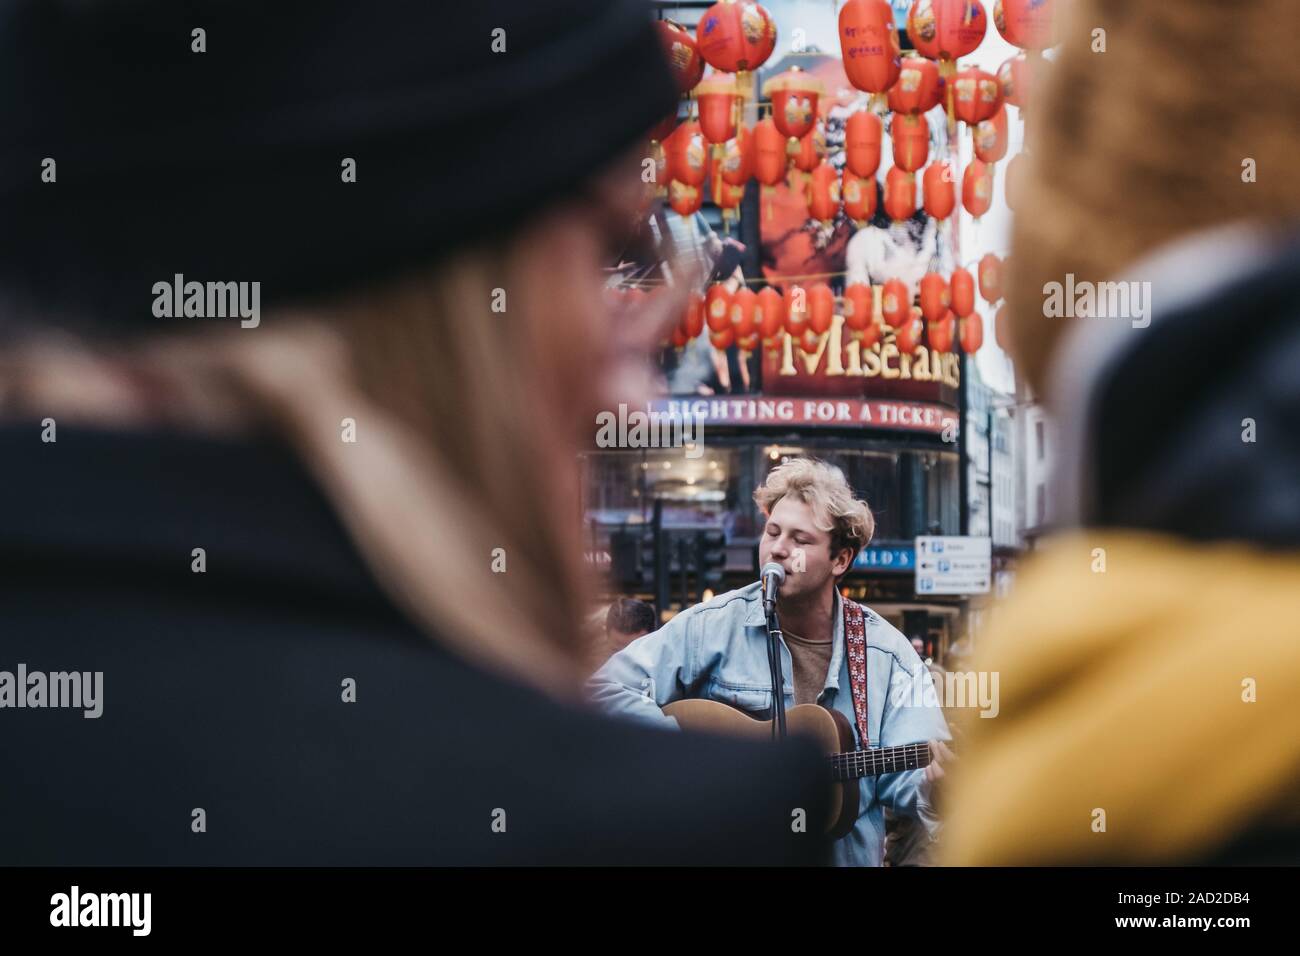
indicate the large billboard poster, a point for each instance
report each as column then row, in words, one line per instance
column 799, row 250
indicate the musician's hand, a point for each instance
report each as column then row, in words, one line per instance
column 939, row 752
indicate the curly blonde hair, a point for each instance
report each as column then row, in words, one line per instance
column 823, row 488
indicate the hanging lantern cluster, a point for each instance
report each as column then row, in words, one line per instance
column 713, row 151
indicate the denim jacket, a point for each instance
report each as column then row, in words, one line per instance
column 718, row 650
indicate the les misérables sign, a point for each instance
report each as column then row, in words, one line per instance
column 842, row 383
column 839, row 385
column 840, row 366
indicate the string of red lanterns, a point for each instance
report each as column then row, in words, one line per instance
column 735, row 37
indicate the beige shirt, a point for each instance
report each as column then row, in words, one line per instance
column 811, row 661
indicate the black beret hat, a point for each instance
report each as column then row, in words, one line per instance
column 227, row 165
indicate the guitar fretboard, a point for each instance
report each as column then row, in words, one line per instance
column 853, row 764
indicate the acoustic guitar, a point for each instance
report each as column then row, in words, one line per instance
column 830, row 730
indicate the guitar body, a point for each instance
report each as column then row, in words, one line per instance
column 829, row 729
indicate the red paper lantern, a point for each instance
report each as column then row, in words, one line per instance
column 770, row 158
column 685, row 200
column 991, row 137
column 935, row 299
column 770, row 310
column 869, row 336
column 749, row 343
column 977, row 188
column 990, row 275
column 869, row 45
column 717, row 308
column 687, row 154
column 728, row 198
column 808, row 151
column 680, row 338
column 737, row 164
column 743, row 320
column 919, row 88
column 858, row 304
column 1018, row 76
column 809, row 341
column 795, row 95
column 1002, row 329
column 821, row 307
column 1024, row 23
column 941, row 334
column 971, row 330
column 824, row 193
column 684, row 58
column 796, row 310
column 716, row 95
column 1014, row 182
column 900, row 195
column 722, row 340
column 976, row 95
column 911, row 139
column 693, row 321
column 735, row 36
column 895, row 303
column 859, row 196
column 862, row 136
column 908, row 336
column 946, row 29
column 961, row 286
column 939, row 186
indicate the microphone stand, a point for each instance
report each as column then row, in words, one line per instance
column 774, row 666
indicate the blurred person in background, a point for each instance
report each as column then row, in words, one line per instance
column 1150, row 656
column 322, row 556
column 626, row 620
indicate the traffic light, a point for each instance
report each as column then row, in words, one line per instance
column 626, row 560
column 711, row 557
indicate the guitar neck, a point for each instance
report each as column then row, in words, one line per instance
column 852, row 764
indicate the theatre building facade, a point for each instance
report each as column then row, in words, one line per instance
column 890, row 422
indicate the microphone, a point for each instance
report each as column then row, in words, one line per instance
column 773, row 576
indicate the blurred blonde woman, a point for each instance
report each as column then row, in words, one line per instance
column 1150, row 656
column 325, row 560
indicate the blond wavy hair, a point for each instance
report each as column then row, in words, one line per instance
column 1144, row 143
column 825, row 490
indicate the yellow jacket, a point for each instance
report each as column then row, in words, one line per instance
column 1126, row 730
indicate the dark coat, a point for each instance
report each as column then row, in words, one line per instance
column 222, row 690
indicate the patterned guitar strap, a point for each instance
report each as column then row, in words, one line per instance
column 855, row 637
